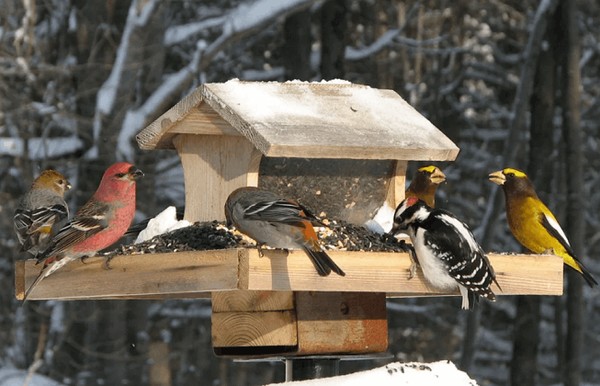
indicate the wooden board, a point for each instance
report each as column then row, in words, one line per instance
column 157, row 134
column 213, row 167
column 227, row 301
column 327, row 120
column 201, row 272
column 302, row 119
column 133, row 276
column 397, row 187
column 341, row 322
column 249, row 329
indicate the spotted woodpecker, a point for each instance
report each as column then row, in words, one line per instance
column 446, row 250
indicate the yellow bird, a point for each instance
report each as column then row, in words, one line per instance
column 425, row 183
column 532, row 223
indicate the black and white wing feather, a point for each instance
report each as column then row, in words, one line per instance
column 452, row 241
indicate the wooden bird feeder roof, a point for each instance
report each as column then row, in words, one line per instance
column 308, row 120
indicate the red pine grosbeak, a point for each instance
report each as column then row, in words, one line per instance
column 279, row 223
column 41, row 211
column 98, row 224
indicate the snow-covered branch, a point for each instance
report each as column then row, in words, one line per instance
column 248, row 18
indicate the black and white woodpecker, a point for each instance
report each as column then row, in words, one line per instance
column 446, row 251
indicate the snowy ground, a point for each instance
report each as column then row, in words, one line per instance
column 15, row 377
column 413, row 374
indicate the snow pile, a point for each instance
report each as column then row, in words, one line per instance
column 383, row 220
column 413, row 374
column 15, row 377
column 165, row 221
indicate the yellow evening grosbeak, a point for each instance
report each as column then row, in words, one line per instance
column 532, row 223
column 425, row 183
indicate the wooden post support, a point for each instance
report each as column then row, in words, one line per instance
column 253, row 323
column 395, row 193
column 213, row 167
column 301, row 323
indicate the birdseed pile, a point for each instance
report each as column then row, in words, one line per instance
column 337, row 235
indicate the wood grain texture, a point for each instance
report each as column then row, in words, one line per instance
column 389, row 272
column 397, row 185
column 341, row 322
column 301, row 119
column 244, row 329
column 153, row 136
column 213, row 167
column 169, row 275
column 201, row 272
column 203, row 120
column 249, row 301
column 327, row 120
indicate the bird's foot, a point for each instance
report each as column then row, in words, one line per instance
column 414, row 263
column 107, row 260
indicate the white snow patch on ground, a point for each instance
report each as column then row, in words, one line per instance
column 16, row 377
column 165, row 221
column 413, row 374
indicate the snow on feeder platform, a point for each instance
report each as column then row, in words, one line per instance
column 342, row 150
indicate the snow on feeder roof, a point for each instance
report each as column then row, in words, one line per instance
column 309, row 120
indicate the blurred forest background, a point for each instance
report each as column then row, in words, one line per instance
column 513, row 83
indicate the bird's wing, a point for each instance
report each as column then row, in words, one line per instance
column 91, row 219
column 41, row 217
column 457, row 247
column 279, row 211
column 551, row 225
column 452, row 239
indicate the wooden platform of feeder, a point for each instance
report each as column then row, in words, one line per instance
column 200, row 273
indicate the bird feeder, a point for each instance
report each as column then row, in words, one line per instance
column 353, row 138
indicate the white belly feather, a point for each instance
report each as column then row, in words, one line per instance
column 434, row 270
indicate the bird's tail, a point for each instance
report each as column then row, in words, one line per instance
column 50, row 266
column 322, row 262
column 471, row 298
column 38, row 279
column 589, row 278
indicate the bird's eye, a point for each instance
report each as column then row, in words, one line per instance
column 60, row 182
column 120, row 175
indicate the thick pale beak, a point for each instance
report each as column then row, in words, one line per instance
column 497, row 177
column 437, row 177
column 68, row 186
column 135, row 173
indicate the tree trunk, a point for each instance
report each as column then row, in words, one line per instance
column 333, row 39
column 527, row 322
column 570, row 49
column 523, row 365
column 297, row 48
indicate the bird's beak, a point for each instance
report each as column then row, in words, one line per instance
column 437, row 177
column 135, row 173
column 497, row 177
column 68, row 186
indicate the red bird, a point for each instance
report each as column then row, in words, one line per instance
column 278, row 223
column 98, row 224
